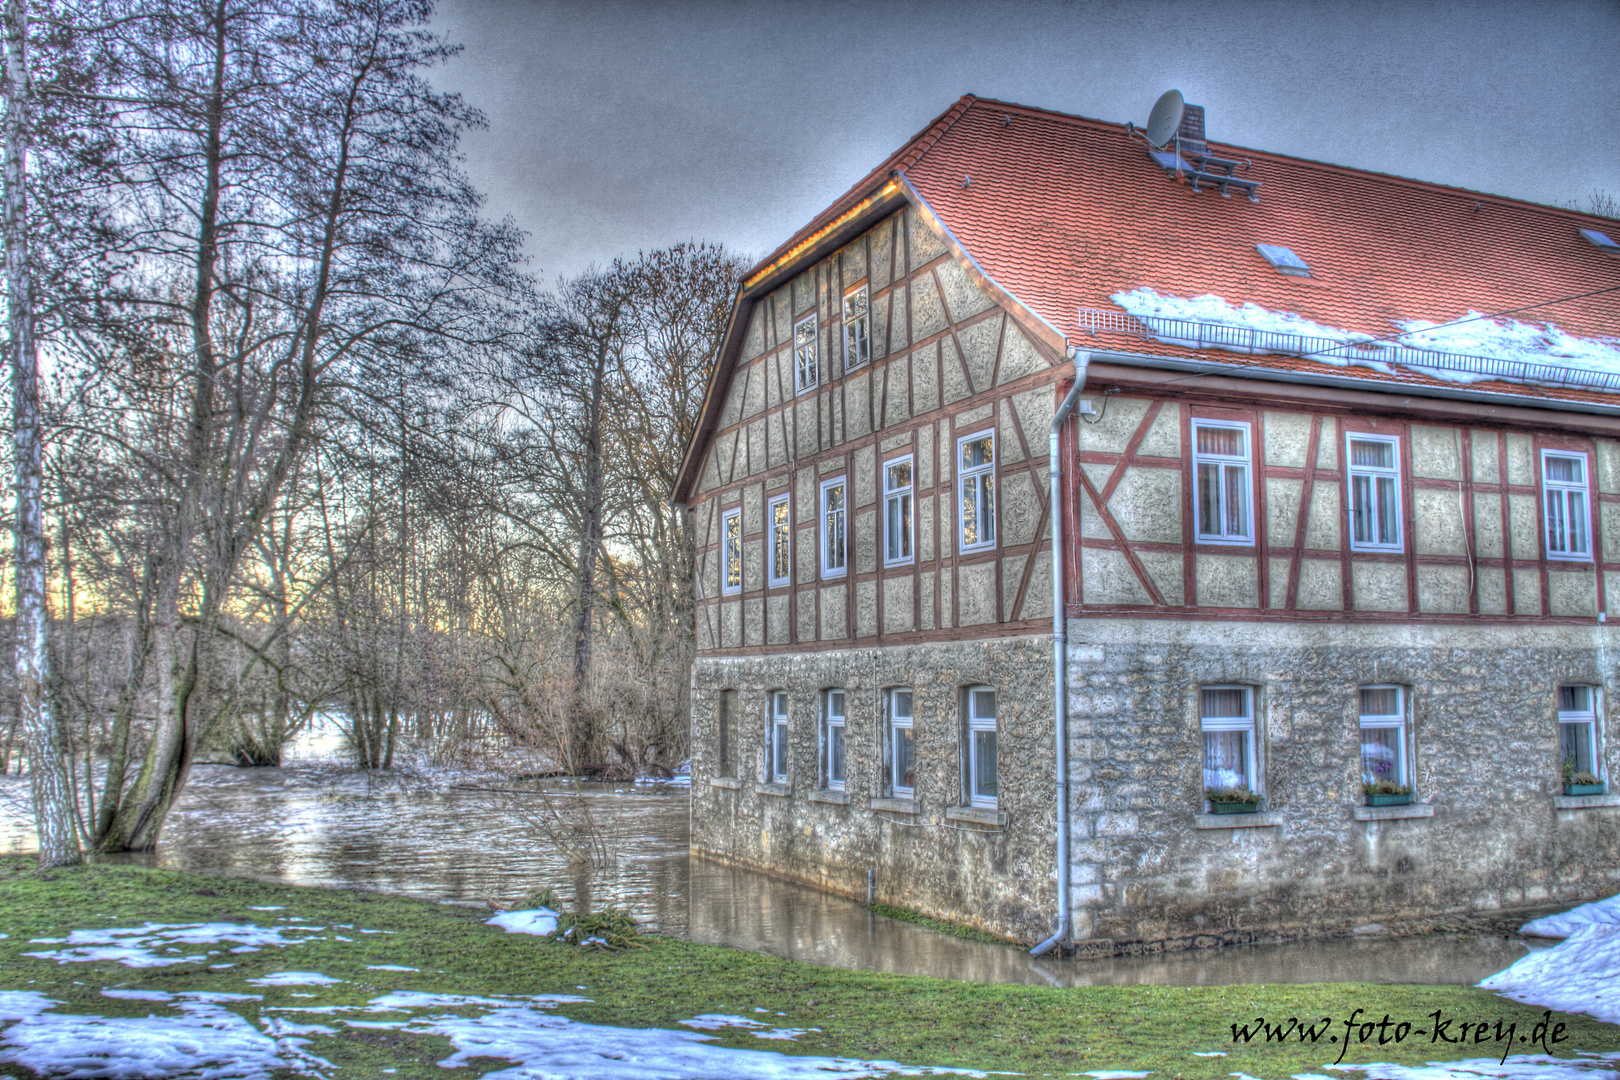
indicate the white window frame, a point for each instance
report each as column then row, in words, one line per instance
column 971, row 755
column 1224, row 461
column 806, row 362
column 857, row 328
column 905, row 495
column 778, row 532
column 1397, row 721
column 1562, row 490
column 776, row 736
column 1244, row 724
column 1587, row 718
column 900, row 721
column 1373, row 475
column 985, row 477
column 731, row 552
column 834, row 729
column 828, row 570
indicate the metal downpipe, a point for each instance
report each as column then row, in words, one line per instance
column 1060, row 655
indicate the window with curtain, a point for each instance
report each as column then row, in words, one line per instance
column 1563, row 493
column 1375, row 493
column 902, row 756
column 981, row 748
column 897, row 527
column 1383, row 740
column 777, row 734
column 832, row 741
column 976, row 490
column 731, row 551
column 1221, row 477
column 781, row 540
column 806, row 367
column 834, row 529
column 1577, row 735
column 857, row 329
column 1226, row 716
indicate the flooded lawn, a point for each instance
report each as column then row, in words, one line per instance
column 437, row 837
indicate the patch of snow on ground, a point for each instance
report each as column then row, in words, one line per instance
column 1115, row 1074
column 540, row 921
column 1517, row 1067
column 294, row 978
column 206, row 1042
column 138, row 946
column 1565, row 923
column 719, row 1021
column 389, row 967
column 1581, row 974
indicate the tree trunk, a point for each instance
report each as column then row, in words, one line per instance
column 53, row 799
column 582, row 728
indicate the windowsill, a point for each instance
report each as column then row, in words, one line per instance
column 978, row 815
column 1257, row 820
column 1582, row 802
column 1391, row 813
column 898, row 806
column 779, row 790
column 838, row 575
column 731, row 592
column 729, row 782
column 830, row 795
column 1216, row 541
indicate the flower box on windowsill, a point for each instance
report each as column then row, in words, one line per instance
column 1584, row 789
column 1233, row 807
column 1389, row 800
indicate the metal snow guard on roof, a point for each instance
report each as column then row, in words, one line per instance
column 1374, row 354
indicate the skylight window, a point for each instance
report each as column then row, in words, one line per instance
column 1283, row 259
column 1601, row 242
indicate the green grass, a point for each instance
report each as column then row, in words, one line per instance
column 918, row 1021
column 957, row 930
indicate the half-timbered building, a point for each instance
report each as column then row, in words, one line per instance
column 1337, row 511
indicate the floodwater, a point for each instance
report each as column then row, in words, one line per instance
column 446, row 837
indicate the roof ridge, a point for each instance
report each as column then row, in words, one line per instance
column 923, row 142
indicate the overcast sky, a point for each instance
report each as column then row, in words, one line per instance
column 615, row 127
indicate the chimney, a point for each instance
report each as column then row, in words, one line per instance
column 1192, row 128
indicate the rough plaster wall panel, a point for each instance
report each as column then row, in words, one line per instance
column 1492, row 590
column 1443, row 589
column 808, row 556
column 953, row 378
column 1522, row 520
column 1526, row 592
column 1019, row 356
column 897, row 391
column 1008, row 448
column 1282, row 510
column 806, row 426
column 705, row 633
column 927, row 310
column 1164, row 437
column 1147, row 505
column 804, row 496
column 1320, row 586
column 1482, row 449
column 1113, row 432
column 1609, row 528
column 1611, row 590
column 925, row 528
column 1020, row 509
column 782, row 298
column 1277, row 584
column 863, row 478
column 895, row 442
column 1378, row 586
column 971, row 419
column 898, row 615
column 754, row 621
column 947, row 612
column 963, row 298
column 1322, row 520
column 926, row 245
column 1038, row 598
column 858, row 405
column 732, row 412
column 853, row 259
column 1288, row 436
column 1164, row 569
column 1226, row 581
column 865, row 542
column 1012, row 572
column 730, row 624
column 1436, row 452
column 754, row 339
column 1572, row 592
column 926, row 598
column 979, row 343
column 1487, row 525
column 925, row 458
column 1439, row 524
column 866, row 608
column 756, row 447
column 1520, row 470
column 882, row 253
column 1607, row 466
column 899, row 319
column 835, row 411
column 977, row 602
column 776, row 620
column 881, row 316
column 804, row 292
column 1091, row 523
column 1107, row 578
column 1327, row 448
column 831, row 465
column 834, row 612
column 753, row 564
column 703, row 522
column 807, row 614
column 754, row 399
column 711, row 470
column 1035, row 409
column 925, row 379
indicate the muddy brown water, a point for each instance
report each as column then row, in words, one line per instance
column 316, row 824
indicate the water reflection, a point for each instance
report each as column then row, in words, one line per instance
column 316, row 824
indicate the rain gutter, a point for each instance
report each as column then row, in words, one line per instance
column 1060, row 654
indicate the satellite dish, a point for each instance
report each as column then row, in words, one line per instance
column 1165, row 119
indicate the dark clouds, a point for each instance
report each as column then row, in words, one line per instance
column 620, row 126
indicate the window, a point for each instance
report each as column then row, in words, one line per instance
column 1221, row 463
column 1383, row 740
column 781, row 526
column 857, row 329
column 1284, row 260
column 806, row 371
column 1375, row 493
column 897, row 526
column 976, row 490
column 777, row 736
column 1577, row 735
column 1601, row 241
column 728, row 709
column 731, row 551
column 1226, row 716
column 1563, row 476
column 832, row 742
column 834, row 534
column 902, row 761
column 981, row 748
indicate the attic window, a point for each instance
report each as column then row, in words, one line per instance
column 1600, row 241
column 1283, row 259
